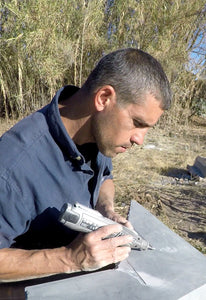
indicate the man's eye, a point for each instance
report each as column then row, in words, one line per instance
column 138, row 124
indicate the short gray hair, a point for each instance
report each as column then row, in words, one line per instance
column 132, row 73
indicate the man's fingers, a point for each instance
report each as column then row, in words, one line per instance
column 114, row 255
column 117, row 241
column 128, row 225
column 120, row 254
column 119, row 219
column 103, row 234
column 105, row 231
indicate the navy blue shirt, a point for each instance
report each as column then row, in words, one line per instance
column 40, row 169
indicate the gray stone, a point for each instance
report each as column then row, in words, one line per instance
column 174, row 270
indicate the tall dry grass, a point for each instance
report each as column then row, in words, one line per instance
column 46, row 44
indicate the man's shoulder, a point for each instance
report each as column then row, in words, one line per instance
column 27, row 130
column 21, row 138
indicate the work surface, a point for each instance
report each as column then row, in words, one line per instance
column 174, row 270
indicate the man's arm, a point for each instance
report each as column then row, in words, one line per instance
column 105, row 203
column 86, row 253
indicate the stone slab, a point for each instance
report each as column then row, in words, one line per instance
column 174, row 270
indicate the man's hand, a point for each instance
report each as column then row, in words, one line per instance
column 86, row 253
column 91, row 251
column 111, row 214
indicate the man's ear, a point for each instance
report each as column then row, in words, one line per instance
column 104, row 97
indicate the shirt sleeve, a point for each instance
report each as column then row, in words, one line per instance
column 13, row 214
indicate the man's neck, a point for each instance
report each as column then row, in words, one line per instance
column 76, row 113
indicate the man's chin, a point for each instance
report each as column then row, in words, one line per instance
column 108, row 153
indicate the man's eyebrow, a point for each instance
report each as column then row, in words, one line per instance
column 141, row 123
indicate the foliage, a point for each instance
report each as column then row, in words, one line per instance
column 46, row 44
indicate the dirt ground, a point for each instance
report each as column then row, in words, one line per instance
column 155, row 174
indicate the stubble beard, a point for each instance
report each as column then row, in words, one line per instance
column 100, row 132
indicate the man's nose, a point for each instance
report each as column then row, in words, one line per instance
column 138, row 136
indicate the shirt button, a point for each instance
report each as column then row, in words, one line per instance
column 78, row 158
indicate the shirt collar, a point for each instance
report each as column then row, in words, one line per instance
column 56, row 126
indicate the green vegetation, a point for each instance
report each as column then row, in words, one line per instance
column 45, row 44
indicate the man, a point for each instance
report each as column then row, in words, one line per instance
column 62, row 153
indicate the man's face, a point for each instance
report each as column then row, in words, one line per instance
column 116, row 129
